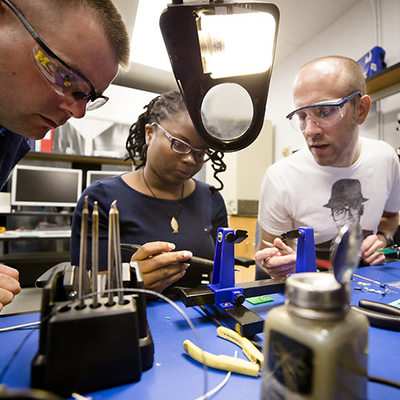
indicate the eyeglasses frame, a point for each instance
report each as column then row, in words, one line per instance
column 191, row 149
column 347, row 211
column 339, row 103
column 90, row 97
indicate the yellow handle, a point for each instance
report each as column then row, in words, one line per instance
column 222, row 362
column 249, row 350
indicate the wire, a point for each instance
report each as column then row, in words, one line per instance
column 213, row 319
column 219, row 386
column 384, row 381
column 17, row 327
column 14, row 355
column 217, row 322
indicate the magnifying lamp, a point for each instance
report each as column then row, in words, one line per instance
column 222, row 54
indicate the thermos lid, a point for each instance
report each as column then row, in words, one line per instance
column 317, row 295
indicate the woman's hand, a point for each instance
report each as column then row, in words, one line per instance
column 160, row 265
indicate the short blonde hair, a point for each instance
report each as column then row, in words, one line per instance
column 355, row 80
column 107, row 14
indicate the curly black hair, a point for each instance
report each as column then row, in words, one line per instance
column 160, row 108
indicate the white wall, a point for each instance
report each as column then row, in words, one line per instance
column 352, row 35
column 245, row 170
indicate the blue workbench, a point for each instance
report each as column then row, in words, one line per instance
column 175, row 375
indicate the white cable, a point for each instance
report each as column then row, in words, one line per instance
column 219, row 386
column 13, row 328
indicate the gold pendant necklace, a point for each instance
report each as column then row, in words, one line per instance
column 174, row 222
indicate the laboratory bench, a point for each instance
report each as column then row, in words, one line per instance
column 174, row 375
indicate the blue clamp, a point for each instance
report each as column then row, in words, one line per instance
column 223, row 278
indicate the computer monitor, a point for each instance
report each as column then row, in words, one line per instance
column 45, row 187
column 96, row 175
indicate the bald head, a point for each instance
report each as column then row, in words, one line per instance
column 344, row 74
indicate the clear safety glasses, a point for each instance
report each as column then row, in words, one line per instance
column 181, row 147
column 64, row 79
column 323, row 114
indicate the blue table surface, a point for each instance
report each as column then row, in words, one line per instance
column 175, row 375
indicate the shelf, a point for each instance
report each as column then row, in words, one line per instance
column 37, row 155
column 384, row 83
column 52, row 256
column 34, row 235
column 39, row 213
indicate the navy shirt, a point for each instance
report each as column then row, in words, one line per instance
column 13, row 147
column 144, row 219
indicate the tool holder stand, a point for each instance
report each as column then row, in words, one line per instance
column 222, row 284
column 84, row 349
column 228, row 296
column 306, row 260
column 223, row 295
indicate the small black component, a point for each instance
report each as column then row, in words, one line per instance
column 295, row 234
column 240, row 235
column 230, row 237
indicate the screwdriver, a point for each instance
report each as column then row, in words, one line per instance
column 199, row 261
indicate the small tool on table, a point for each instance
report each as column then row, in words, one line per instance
column 83, row 253
column 227, row 363
column 389, row 250
column 95, row 254
column 114, row 274
column 199, row 261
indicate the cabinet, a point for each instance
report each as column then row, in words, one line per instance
column 384, row 83
column 75, row 159
column 245, row 248
column 33, row 252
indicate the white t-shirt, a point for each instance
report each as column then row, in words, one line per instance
column 297, row 192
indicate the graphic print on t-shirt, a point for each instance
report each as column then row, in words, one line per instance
column 346, row 202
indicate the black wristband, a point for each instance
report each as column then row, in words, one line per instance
column 389, row 238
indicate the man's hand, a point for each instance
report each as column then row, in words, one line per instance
column 9, row 285
column 160, row 265
column 276, row 263
column 368, row 247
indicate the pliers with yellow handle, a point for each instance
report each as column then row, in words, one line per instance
column 227, row 363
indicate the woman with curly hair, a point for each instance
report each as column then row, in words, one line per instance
column 161, row 205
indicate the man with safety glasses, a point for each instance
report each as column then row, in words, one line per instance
column 302, row 189
column 56, row 60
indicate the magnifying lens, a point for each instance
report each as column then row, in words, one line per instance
column 222, row 56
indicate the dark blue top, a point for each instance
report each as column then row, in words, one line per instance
column 143, row 219
column 12, row 148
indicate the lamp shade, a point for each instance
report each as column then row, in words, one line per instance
column 222, row 56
